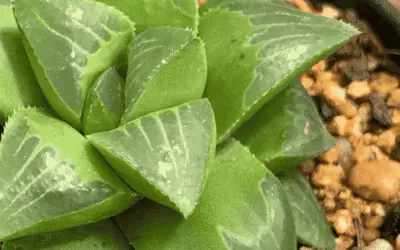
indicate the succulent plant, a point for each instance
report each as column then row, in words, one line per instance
column 160, row 124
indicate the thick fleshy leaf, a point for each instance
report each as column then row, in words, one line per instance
column 164, row 155
column 104, row 103
column 255, row 49
column 312, row 227
column 156, row 13
column 18, row 84
column 287, row 131
column 69, row 44
column 52, row 178
column 167, row 67
column 103, row 235
column 243, row 207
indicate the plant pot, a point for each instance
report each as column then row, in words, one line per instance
column 383, row 16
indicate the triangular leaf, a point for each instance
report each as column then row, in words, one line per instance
column 52, row 178
column 103, row 235
column 167, row 67
column 287, row 131
column 155, row 13
column 255, row 49
column 104, row 103
column 164, row 155
column 18, row 84
column 312, row 227
column 69, row 44
column 243, row 207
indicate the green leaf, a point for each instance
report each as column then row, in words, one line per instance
column 255, row 49
column 243, row 207
column 287, row 131
column 149, row 14
column 103, row 235
column 52, row 178
column 164, row 155
column 104, row 103
column 312, row 227
column 167, row 67
column 69, row 44
column 18, row 84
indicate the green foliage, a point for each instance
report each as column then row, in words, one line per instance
column 287, row 131
column 86, row 38
column 104, row 103
column 130, row 117
column 103, row 235
column 243, row 204
column 311, row 225
column 263, row 46
column 164, row 155
column 147, row 14
column 47, row 185
column 17, row 81
column 166, row 67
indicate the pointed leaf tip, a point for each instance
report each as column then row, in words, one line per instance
column 166, row 67
column 164, row 155
column 104, row 103
column 255, row 49
column 244, row 205
column 287, row 131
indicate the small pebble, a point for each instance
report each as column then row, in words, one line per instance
column 370, row 234
column 394, row 99
column 377, row 180
column 383, row 83
column 398, row 242
column 380, row 111
column 328, row 175
column 379, row 244
column 358, row 89
column 331, row 156
column 395, row 116
column 374, row 221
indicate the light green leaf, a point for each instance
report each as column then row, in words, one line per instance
column 212, row 4
column 287, row 131
column 104, row 103
column 18, row 84
column 164, row 155
column 243, row 207
column 103, row 235
column 255, row 49
column 69, row 44
column 312, row 227
column 52, row 178
column 167, row 67
column 149, row 14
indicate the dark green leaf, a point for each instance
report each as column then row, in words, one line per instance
column 164, row 155
column 255, row 49
column 287, row 131
column 103, row 235
column 104, row 103
column 155, row 13
column 18, row 84
column 167, row 67
column 69, row 44
column 243, row 207
column 52, row 178
column 312, row 227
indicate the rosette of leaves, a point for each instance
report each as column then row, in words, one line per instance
column 112, row 102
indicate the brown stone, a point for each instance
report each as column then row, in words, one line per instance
column 376, row 180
